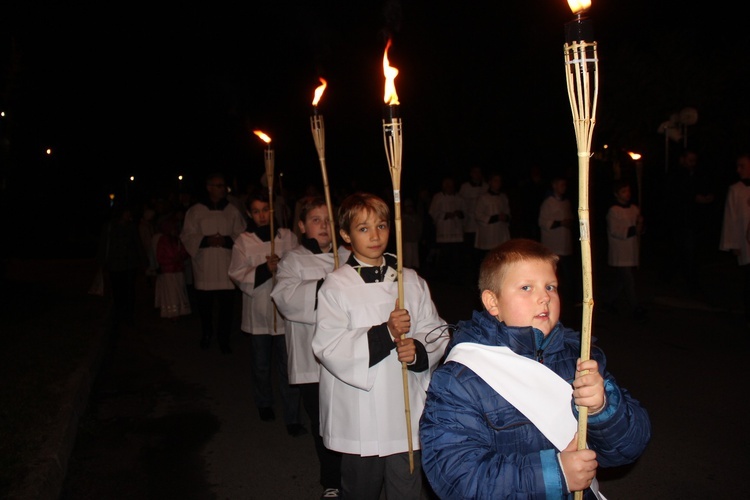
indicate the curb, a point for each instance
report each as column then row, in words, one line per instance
column 46, row 475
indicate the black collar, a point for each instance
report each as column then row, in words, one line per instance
column 376, row 274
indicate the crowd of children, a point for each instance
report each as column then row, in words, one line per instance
column 358, row 342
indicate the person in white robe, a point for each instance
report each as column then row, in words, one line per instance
column 492, row 215
column 301, row 273
column 735, row 229
column 253, row 268
column 209, row 230
column 362, row 337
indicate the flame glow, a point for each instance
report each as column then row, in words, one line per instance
column 635, row 156
column 262, row 136
column 390, row 97
column 579, row 6
column 319, row 91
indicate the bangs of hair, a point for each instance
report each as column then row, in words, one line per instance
column 496, row 262
column 361, row 203
column 310, row 203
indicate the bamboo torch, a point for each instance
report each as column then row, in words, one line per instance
column 319, row 136
column 392, row 137
column 268, row 157
column 581, row 76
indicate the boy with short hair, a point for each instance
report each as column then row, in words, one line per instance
column 500, row 418
column 300, row 274
column 252, row 268
column 358, row 340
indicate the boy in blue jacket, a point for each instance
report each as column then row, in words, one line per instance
column 501, row 414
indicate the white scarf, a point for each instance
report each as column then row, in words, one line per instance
column 532, row 388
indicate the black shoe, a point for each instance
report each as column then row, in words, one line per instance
column 205, row 343
column 295, row 430
column 266, row 414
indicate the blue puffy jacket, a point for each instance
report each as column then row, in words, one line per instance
column 477, row 445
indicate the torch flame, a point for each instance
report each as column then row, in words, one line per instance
column 390, row 97
column 262, row 136
column 579, row 6
column 319, row 91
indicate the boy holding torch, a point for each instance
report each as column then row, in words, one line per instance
column 358, row 342
column 500, row 416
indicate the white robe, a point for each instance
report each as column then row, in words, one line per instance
column 471, row 193
column 295, row 295
column 623, row 251
column 736, row 224
column 210, row 264
column 491, row 235
column 447, row 230
column 559, row 239
column 248, row 253
column 362, row 407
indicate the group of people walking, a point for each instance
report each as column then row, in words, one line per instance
column 359, row 345
column 359, row 354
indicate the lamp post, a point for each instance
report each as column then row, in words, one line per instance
column 582, row 78
column 637, row 158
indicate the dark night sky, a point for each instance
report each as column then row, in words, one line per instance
column 145, row 90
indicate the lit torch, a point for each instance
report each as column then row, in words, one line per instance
column 268, row 157
column 581, row 75
column 319, row 136
column 392, row 138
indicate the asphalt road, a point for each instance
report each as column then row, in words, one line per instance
column 168, row 420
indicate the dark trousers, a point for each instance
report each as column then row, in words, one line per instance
column 451, row 262
column 206, row 300
column 267, row 350
column 363, row 478
column 330, row 461
column 621, row 283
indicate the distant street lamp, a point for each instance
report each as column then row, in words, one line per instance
column 637, row 158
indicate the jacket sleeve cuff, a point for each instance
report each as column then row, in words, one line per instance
column 555, row 485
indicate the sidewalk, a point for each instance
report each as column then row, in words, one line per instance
column 47, row 313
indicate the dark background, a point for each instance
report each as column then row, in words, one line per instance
column 155, row 92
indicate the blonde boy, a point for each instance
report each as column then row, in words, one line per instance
column 358, row 342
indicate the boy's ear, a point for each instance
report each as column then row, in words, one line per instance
column 489, row 299
column 345, row 236
column 301, row 226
